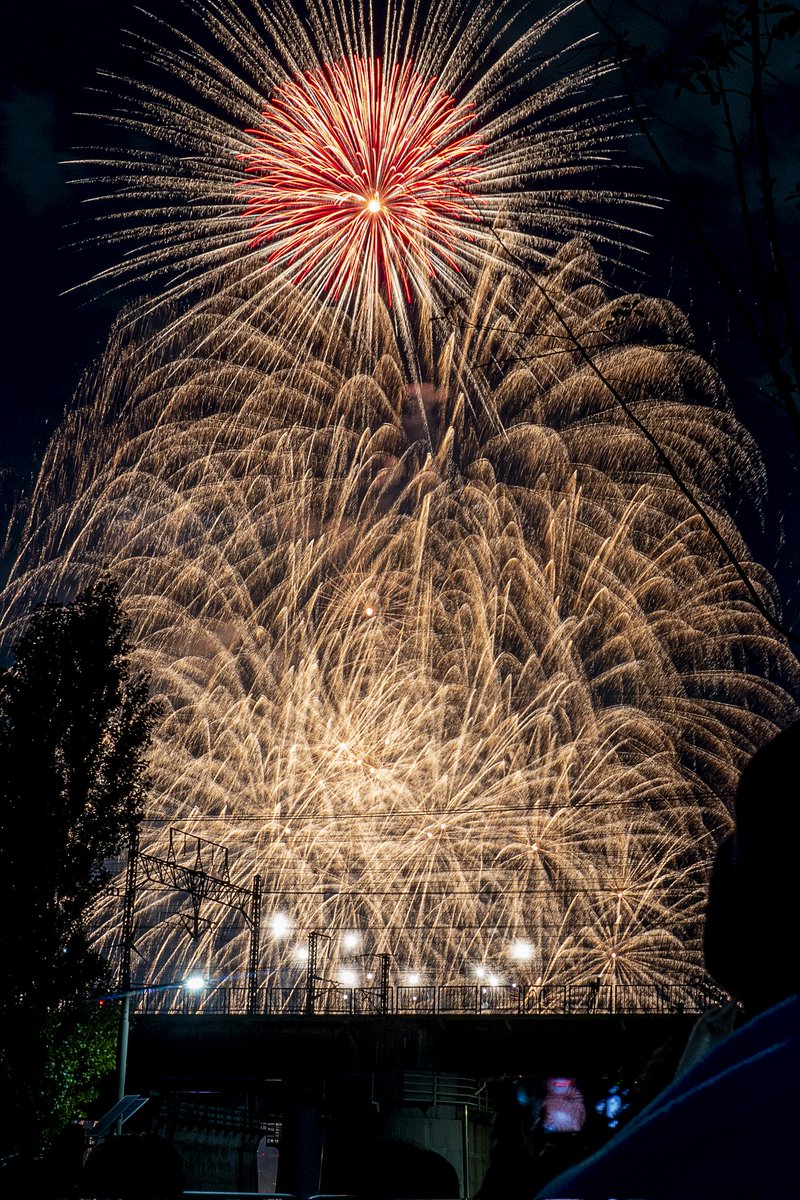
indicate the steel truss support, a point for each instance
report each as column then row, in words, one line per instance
column 206, row 880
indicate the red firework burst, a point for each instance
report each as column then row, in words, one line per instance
column 363, row 179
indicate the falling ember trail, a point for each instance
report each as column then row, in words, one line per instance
column 475, row 689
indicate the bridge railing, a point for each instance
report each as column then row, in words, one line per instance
column 458, row 999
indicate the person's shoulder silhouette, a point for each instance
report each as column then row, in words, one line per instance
column 727, row 1127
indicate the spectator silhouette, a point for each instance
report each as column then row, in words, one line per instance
column 511, row 1154
column 393, row 1168
column 727, row 1127
column 139, row 1166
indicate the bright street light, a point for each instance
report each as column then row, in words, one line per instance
column 281, row 925
column 193, row 983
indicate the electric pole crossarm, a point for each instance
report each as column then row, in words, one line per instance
column 196, row 883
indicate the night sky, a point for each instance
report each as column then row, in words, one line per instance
column 50, row 55
column 48, row 339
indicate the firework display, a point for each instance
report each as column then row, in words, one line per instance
column 445, row 655
column 353, row 168
column 372, row 157
column 454, row 667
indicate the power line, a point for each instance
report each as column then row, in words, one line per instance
column 266, row 818
column 672, row 471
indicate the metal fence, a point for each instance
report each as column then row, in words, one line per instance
column 432, row 1000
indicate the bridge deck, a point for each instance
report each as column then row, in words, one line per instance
column 427, row 1000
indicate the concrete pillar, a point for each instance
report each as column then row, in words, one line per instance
column 300, row 1155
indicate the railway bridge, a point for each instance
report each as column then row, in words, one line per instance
column 315, row 1092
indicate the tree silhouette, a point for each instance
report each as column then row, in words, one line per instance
column 75, row 723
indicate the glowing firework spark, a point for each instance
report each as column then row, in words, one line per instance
column 359, row 177
column 358, row 157
column 445, row 655
column 457, row 686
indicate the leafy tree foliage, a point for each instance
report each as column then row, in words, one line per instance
column 75, row 723
column 714, row 84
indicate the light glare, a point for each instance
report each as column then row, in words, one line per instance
column 280, row 925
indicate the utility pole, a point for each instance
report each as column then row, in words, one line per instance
column 122, row 1051
column 198, row 869
column 311, row 969
column 255, row 937
column 311, row 972
column 384, row 983
column 129, row 905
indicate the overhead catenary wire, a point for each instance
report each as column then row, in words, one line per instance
column 589, row 360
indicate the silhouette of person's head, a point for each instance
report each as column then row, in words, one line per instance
column 754, row 898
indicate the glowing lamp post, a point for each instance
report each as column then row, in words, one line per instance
column 192, row 983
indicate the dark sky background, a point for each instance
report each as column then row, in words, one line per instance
column 49, row 58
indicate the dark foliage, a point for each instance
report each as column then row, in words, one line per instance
column 74, row 727
column 713, row 87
